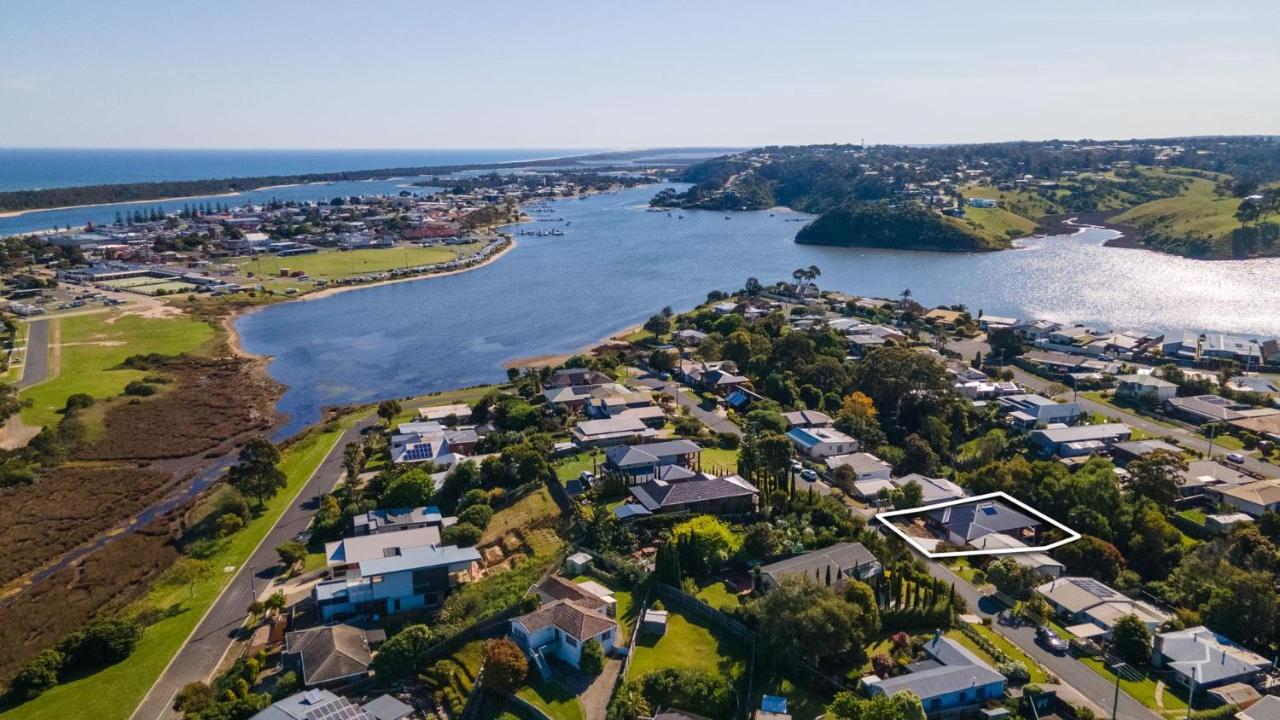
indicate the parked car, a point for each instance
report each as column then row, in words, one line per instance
column 1236, row 458
column 1051, row 639
column 809, row 475
column 796, row 466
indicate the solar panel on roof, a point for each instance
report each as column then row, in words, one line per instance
column 1095, row 588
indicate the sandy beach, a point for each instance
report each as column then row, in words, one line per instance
column 19, row 213
column 545, row 360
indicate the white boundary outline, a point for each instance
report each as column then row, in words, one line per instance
column 883, row 517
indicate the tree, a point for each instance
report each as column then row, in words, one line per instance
column 477, row 515
column 405, row 654
column 658, row 325
column 1005, row 344
column 101, row 642
column 1157, row 476
column 801, row 618
column 291, row 553
column 1131, row 641
column 505, row 667
column 37, row 675
column 848, row 706
column 705, row 542
column 629, row 703
column 256, row 474
column 388, row 410
column 917, row 457
column 1092, row 557
column 761, row 541
column 462, row 534
column 591, row 661
column 412, row 488
column 910, row 495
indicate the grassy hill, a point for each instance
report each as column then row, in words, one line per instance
column 1196, row 223
column 900, row 228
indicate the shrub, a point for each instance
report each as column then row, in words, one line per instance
column 692, row 690
column 79, row 401
column 139, row 389
column 728, row 440
column 462, row 534
column 99, row 643
column 591, row 661
column 505, row 666
column 404, row 655
column 38, row 675
column 477, row 515
column 229, row 524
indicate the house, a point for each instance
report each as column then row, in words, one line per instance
column 689, row 336
column 396, row 519
column 982, row 202
column 614, row 431
column 1041, row 563
column 649, row 459
column 314, row 704
column 963, row 524
column 727, row 495
column 1080, row 439
column 458, row 412
column 871, row 474
column 415, row 578
column 828, row 565
column 944, row 317
column 328, row 655
column 1253, row 498
column 1217, row 346
column 951, row 679
column 933, row 490
column 420, row 442
column 1126, row 452
column 576, row 377
column 588, row 594
column 1201, row 409
column 821, row 442
column 1091, row 602
column 1028, row 411
column 807, row 419
column 1206, row 659
column 996, row 322
column 719, row 377
column 1145, row 388
column 343, row 556
column 1268, row 708
column 559, row 628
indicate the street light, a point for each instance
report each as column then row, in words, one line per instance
column 1115, row 700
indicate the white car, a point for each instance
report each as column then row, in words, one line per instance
column 1236, row 458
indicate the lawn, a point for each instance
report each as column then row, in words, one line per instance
column 691, row 644
column 1194, row 515
column 626, row 611
column 113, row 693
column 1143, row 691
column 718, row 595
column 332, row 264
column 14, row 371
column 93, row 346
column 999, row 223
column 571, row 467
column 469, row 396
column 724, row 460
column 552, row 698
column 1038, row 674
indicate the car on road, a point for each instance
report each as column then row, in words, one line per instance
column 1051, row 639
column 796, row 466
column 1236, row 458
column 809, row 475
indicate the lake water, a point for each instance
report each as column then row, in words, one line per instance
column 617, row 264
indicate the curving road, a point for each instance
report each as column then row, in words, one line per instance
column 202, row 653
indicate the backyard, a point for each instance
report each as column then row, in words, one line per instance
column 688, row 643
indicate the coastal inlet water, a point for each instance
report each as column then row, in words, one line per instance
column 617, row 263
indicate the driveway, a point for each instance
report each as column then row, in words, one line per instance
column 200, row 656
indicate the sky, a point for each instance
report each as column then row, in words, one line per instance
column 568, row 74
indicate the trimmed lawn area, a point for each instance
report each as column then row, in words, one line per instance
column 14, row 371
column 552, row 698
column 93, row 346
column 714, row 457
column 1144, row 691
column 339, row 264
column 113, row 693
column 689, row 643
column 718, row 595
column 1038, row 675
column 1194, row 515
column 569, row 468
column 961, row 567
column 409, row 408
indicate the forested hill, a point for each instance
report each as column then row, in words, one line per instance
column 1200, row 197
column 880, row 225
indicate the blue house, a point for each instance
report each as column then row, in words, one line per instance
column 951, row 678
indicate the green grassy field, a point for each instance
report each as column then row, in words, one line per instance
column 688, row 643
column 14, row 371
column 93, row 346
column 552, row 698
column 999, row 223
column 1197, row 211
column 409, row 408
column 714, row 457
column 1143, row 691
column 332, row 264
column 571, row 467
column 718, row 595
column 113, row 693
column 1038, row 675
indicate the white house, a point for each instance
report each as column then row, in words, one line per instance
column 411, row 579
column 1094, row 604
column 1253, row 498
column 1145, row 387
column 560, row 628
column 1209, row 660
column 871, row 474
column 821, row 442
column 1029, row 411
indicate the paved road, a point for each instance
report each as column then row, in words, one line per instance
column 200, row 656
column 35, row 366
column 1069, row 670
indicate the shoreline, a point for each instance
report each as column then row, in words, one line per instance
column 20, row 213
column 533, row 361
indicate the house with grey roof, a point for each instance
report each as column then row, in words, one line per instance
column 1267, row 708
column 821, row 442
column 962, row 525
column 705, row 493
column 412, row 578
column 1200, row 656
column 560, row 628
column 319, row 704
column 328, row 655
column 1145, row 388
column 832, row 564
column 613, row 431
column 396, row 519
column 807, row 419
column 1079, row 440
column 1028, row 411
column 1095, row 606
column 950, row 679
column 346, row 555
column 933, row 490
column 644, row 461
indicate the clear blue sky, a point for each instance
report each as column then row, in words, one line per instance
column 319, row 74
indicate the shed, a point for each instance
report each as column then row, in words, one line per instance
column 654, row 621
column 577, row 563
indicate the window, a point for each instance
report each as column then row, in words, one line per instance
column 572, row 642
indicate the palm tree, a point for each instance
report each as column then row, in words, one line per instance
column 631, row 703
column 905, row 295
